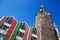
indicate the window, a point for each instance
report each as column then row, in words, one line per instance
column 3, row 27
column 9, row 20
column 34, row 31
column 23, row 26
column 20, row 34
column 1, row 35
column 33, row 38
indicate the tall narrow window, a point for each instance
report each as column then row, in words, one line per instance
column 34, row 31
column 34, row 34
column 23, row 26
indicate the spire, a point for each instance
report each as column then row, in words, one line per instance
column 41, row 9
column 55, row 25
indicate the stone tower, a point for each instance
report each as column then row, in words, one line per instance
column 44, row 25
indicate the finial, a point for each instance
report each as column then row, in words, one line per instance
column 42, row 9
column 48, row 13
column 55, row 25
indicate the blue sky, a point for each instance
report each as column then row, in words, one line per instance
column 26, row 10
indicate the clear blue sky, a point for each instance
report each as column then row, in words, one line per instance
column 26, row 10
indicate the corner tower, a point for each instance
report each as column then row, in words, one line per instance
column 44, row 25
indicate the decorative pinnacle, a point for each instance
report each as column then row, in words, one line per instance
column 41, row 9
column 55, row 25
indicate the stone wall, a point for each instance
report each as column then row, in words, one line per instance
column 45, row 26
